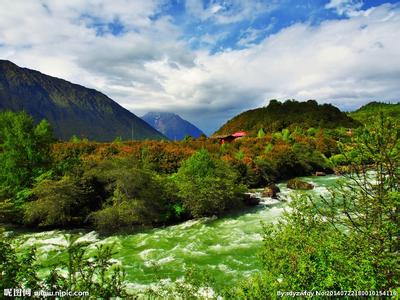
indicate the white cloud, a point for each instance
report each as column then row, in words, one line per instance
column 346, row 62
column 229, row 11
column 345, row 7
column 250, row 36
column 56, row 38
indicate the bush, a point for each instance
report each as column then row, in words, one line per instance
column 126, row 214
column 337, row 160
column 311, row 159
column 285, row 163
column 24, row 150
column 345, row 241
column 207, row 186
column 301, row 252
column 135, row 197
column 94, row 274
column 63, row 202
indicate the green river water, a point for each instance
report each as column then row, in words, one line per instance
column 226, row 247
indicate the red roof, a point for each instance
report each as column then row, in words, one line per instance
column 239, row 134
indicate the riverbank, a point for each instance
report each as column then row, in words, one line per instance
column 226, row 247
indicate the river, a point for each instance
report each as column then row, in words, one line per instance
column 226, row 247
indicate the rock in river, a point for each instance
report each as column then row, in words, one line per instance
column 320, row 173
column 250, row 200
column 297, row 184
column 271, row 191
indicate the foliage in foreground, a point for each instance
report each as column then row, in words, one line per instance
column 24, row 157
column 96, row 274
column 24, row 150
column 345, row 241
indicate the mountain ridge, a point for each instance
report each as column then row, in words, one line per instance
column 72, row 109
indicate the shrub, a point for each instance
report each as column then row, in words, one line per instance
column 94, row 274
column 345, row 241
column 122, row 215
column 302, row 252
column 135, row 197
column 61, row 202
column 207, row 186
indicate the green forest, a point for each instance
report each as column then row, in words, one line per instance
column 347, row 240
column 289, row 114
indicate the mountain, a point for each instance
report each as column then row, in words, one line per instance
column 278, row 115
column 364, row 113
column 171, row 125
column 70, row 108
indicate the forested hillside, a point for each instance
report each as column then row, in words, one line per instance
column 370, row 110
column 278, row 115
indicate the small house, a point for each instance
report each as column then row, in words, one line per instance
column 228, row 138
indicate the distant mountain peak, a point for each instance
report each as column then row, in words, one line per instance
column 171, row 125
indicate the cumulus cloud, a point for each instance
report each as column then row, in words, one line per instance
column 345, row 7
column 148, row 66
column 345, row 62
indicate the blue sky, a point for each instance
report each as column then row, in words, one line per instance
column 271, row 18
column 198, row 23
column 210, row 60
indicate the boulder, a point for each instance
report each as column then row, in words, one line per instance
column 271, row 191
column 297, row 184
column 341, row 170
column 320, row 173
column 250, row 199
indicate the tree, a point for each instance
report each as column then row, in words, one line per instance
column 286, row 135
column 207, row 186
column 202, row 137
column 17, row 270
column 134, row 197
column 63, row 202
column 367, row 204
column 260, row 133
column 24, row 151
column 24, row 158
column 187, row 139
column 347, row 240
column 97, row 275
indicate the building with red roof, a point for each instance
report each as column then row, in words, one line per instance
column 230, row 137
